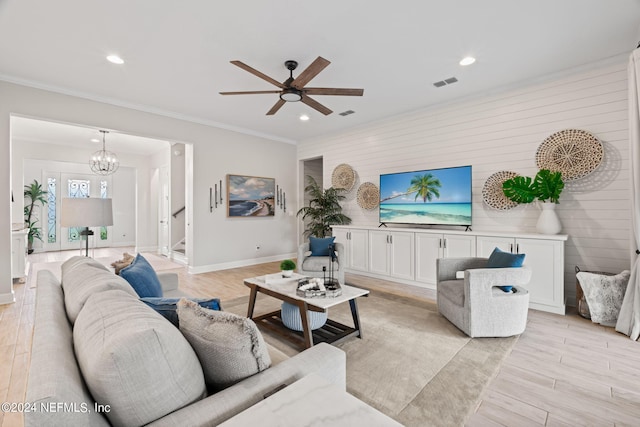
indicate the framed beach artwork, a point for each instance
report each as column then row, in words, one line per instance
column 250, row 196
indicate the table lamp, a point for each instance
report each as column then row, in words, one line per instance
column 86, row 212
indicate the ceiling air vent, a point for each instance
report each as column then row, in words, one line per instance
column 445, row 82
column 346, row 113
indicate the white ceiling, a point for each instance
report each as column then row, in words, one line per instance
column 177, row 53
column 79, row 137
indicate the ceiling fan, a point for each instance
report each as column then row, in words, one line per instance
column 293, row 90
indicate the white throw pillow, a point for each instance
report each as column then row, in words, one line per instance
column 230, row 347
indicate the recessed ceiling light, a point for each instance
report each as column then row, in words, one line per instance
column 115, row 59
column 304, row 117
column 95, row 140
column 468, row 60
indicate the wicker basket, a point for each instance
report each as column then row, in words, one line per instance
column 581, row 301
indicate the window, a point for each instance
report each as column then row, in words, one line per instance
column 77, row 188
column 51, row 210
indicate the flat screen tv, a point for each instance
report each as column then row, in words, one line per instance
column 428, row 197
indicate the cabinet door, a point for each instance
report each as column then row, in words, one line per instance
column 401, row 255
column 459, row 246
column 379, row 252
column 545, row 258
column 486, row 244
column 341, row 236
column 427, row 251
column 358, row 250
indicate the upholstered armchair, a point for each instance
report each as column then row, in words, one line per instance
column 312, row 265
column 476, row 304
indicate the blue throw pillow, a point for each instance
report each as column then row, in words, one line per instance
column 142, row 278
column 501, row 259
column 168, row 307
column 320, row 247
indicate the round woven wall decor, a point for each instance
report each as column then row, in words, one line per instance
column 576, row 153
column 368, row 195
column 492, row 193
column 343, row 177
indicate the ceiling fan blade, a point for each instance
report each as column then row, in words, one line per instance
column 333, row 91
column 316, row 105
column 312, row 70
column 252, row 92
column 257, row 73
column 276, row 107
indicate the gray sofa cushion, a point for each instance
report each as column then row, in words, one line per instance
column 83, row 277
column 54, row 376
column 230, row 347
column 315, row 263
column 134, row 360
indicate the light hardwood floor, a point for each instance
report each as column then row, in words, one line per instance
column 563, row 371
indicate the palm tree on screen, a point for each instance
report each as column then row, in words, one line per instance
column 425, row 186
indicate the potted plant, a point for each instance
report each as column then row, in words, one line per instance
column 545, row 187
column 287, row 266
column 35, row 194
column 324, row 209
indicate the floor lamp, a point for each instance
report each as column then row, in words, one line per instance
column 86, row 212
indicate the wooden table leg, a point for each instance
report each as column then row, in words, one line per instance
column 252, row 301
column 306, row 329
column 356, row 318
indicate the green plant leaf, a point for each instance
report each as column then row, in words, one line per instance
column 519, row 189
column 287, row 264
column 548, row 185
column 323, row 210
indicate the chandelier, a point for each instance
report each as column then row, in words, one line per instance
column 104, row 162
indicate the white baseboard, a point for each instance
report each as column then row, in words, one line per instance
column 153, row 249
column 8, row 298
column 180, row 258
column 236, row 264
column 122, row 244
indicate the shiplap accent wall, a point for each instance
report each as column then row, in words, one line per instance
column 503, row 132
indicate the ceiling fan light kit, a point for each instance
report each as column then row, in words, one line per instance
column 293, row 89
column 291, row 95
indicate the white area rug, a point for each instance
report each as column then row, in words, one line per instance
column 412, row 363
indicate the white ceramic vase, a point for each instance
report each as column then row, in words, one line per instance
column 548, row 222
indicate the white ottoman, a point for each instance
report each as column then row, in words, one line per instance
column 291, row 317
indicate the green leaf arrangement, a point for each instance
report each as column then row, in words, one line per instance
column 546, row 186
column 287, row 264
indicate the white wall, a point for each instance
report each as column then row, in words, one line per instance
column 502, row 132
column 217, row 241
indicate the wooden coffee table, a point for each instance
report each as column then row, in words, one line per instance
column 284, row 289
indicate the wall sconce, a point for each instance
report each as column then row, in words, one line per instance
column 281, row 198
column 215, row 196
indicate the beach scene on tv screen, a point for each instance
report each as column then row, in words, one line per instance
column 437, row 196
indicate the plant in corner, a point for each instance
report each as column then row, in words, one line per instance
column 35, row 194
column 324, row 209
column 287, row 266
column 546, row 187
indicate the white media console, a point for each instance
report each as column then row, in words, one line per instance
column 408, row 255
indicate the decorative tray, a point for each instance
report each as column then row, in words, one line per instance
column 313, row 287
